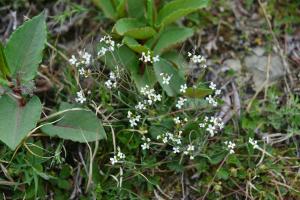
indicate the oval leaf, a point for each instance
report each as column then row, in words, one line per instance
column 79, row 126
column 134, row 45
column 171, row 37
column 25, row 47
column 133, row 28
column 176, row 9
column 16, row 121
column 165, row 67
column 107, row 7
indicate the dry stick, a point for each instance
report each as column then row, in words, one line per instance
column 278, row 46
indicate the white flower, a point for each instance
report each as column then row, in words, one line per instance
column 191, row 147
column 218, row 92
column 73, row 60
column 133, row 119
column 183, row 88
column 166, row 78
column 211, row 101
column 117, row 158
column 230, row 146
column 197, row 59
column 112, row 81
column 191, row 157
column 140, row 106
column 211, row 130
column 110, row 45
column 80, row 97
column 113, row 160
column 156, row 58
column 180, row 102
column 145, row 57
column 253, row 143
column 176, row 150
column 81, row 71
column 212, row 86
column 145, row 146
column 177, row 120
column 202, row 125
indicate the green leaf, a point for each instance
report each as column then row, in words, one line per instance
column 107, row 7
column 199, row 92
column 134, row 45
column 179, row 8
column 172, row 37
column 17, row 121
column 77, row 125
column 24, row 49
column 121, row 8
column 150, row 12
column 4, row 69
column 125, row 57
column 163, row 66
column 133, row 28
column 136, row 8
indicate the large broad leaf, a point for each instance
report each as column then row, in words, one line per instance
column 165, row 67
column 17, row 121
column 128, row 59
column 134, row 45
column 133, row 28
column 77, row 125
column 172, row 37
column 25, row 47
column 4, row 69
column 107, row 7
column 176, row 9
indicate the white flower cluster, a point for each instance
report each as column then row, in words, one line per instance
column 117, row 158
column 146, row 144
column 166, row 78
column 212, row 125
column 110, row 45
column 253, row 143
column 179, row 122
column 150, row 94
column 197, row 59
column 133, row 120
column 82, row 62
column 146, row 57
column 112, row 81
column 210, row 98
column 180, row 102
column 230, row 146
column 80, row 97
column 170, row 138
column 189, row 151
